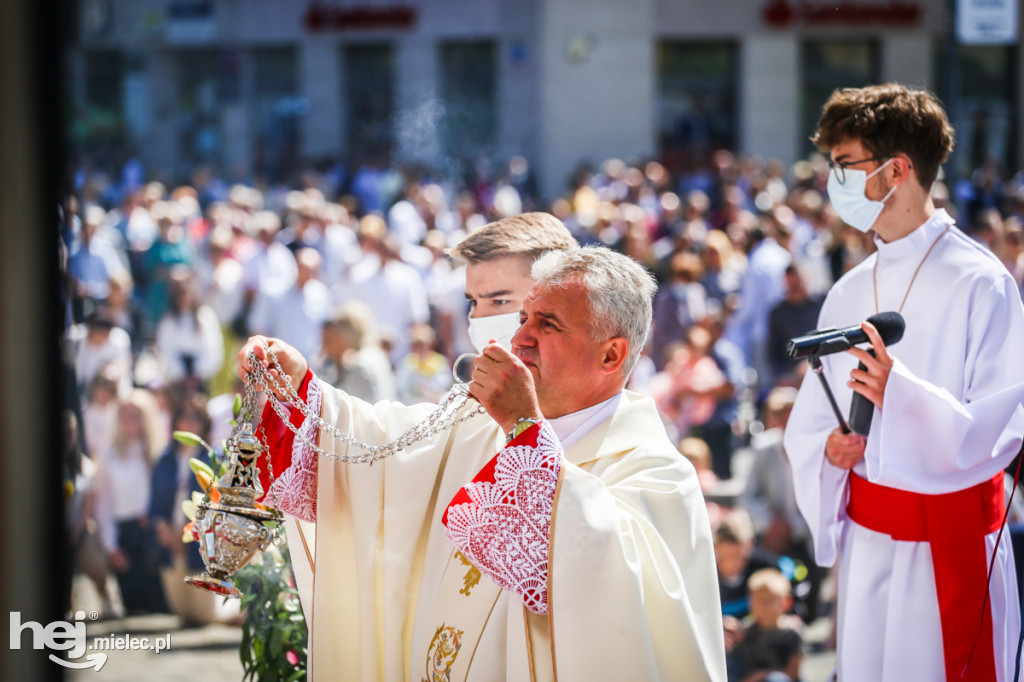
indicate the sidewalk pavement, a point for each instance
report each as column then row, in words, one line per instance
column 201, row 653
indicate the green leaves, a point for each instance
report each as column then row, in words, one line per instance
column 189, row 438
column 199, row 466
column 201, row 469
column 274, row 637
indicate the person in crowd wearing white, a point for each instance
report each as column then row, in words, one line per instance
column 296, row 314
column 270, row 266
column 405, row 217
column 99, row 413
column 188, row 336
column 219, row 276
column 99, row 344
column 122, row 508
column 391, row 288
column 587, row 477
column 89, row 557
column 913, row 507
column 340, row 247
column 445, row 281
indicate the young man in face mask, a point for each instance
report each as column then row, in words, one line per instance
column 498, row 260
column 912, row 506
column 498, row 257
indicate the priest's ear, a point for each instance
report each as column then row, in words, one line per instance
column 614, row 354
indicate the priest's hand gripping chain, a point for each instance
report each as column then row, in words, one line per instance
column 441, row 419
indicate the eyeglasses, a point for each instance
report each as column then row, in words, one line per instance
column 839, row 168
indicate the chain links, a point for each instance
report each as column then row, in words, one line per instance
column 260, row 379
column 275, row 536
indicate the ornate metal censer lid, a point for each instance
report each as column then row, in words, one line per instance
column 240, row 485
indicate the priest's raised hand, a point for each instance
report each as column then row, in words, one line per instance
column 288, row 358
column 504, row 386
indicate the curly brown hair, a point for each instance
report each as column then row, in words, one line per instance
column 889, row 119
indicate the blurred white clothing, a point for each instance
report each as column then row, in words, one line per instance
column 182, row 340
column 122, row 490
column 396, row 295
column 269, row 269
column 90, row 358
column 293, row 315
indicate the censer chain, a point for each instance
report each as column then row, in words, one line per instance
column 441, row 419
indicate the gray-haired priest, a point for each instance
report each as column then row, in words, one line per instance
column 580, row 551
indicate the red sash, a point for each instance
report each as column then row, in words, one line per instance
column 955, row 525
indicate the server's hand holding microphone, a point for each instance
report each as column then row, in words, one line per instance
column 845, row 445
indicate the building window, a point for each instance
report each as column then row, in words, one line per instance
column 198, row 109
column 469, row 93
column 104, row 74
column 98, row 125
column 369, row 102
column 828, row 65
column 696, row 101
column 277, row 110
column 983, row 110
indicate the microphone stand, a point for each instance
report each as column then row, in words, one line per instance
column 815, row 362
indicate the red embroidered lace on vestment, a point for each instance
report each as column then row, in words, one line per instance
column 502, row 520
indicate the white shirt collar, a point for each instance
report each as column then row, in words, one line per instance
column 915, row 243
column 572, row 428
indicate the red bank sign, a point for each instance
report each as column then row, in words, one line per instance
column 790, row 13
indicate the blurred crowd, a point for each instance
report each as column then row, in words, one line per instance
column 164, row 282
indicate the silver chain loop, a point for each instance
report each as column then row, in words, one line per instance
column 261, row 379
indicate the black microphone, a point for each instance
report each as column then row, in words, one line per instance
column 861, row 409
column 820, row 342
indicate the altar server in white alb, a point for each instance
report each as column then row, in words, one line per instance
column 580, row 551
column 912, row 508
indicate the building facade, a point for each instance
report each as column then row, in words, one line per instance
column 268, row 86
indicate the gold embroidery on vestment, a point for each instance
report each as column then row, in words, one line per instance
column 444, row 647
column 472, row 577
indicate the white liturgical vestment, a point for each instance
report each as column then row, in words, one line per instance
column 617, row 525
column 951, row 419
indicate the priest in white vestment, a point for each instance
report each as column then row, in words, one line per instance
column 582, row 550
column 912, row 506
column 498, row 260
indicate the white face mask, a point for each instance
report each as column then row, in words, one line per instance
column 500, row 327
column 849, row 200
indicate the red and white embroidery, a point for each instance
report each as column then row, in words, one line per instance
column 294, row 490
column 501, row 521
